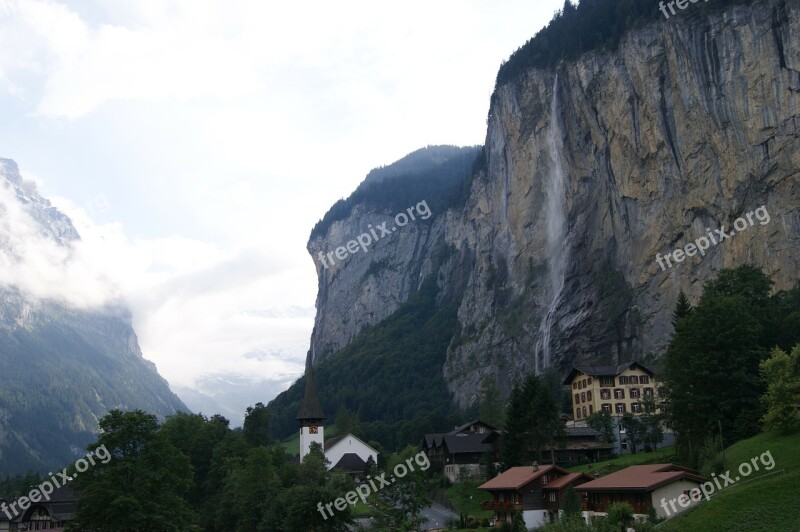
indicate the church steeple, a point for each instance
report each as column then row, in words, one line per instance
column 310, row 416
column 310, row 408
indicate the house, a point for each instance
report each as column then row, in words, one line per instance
column 347, row 453
column 643, row 487
column 50, row 515
column 463, row 450
column 613, row 389
column 350, row 454
column 581, row 445
column 535, row 491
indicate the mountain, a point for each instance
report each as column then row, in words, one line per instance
column 595, row 165
column 63, row 366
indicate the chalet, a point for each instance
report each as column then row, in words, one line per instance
column 535, row 491
column 581, row 445
column 643, row 487
column 50, row 515
column 463, row 450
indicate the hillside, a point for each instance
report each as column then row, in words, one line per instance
column 63, row 367
column 638, row 141
column 768, row 503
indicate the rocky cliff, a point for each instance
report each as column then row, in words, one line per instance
column 589, row 172
column 62, row 366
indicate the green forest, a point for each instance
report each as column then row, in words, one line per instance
column 390, row 377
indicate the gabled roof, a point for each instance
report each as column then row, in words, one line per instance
column 333, row 442
column 466, row 425
column 438, row 439
column 310, row 408
column 516, row 477
column 351, row 463
column 604, row 371
column 566, row 480
column 642, row 478
column 466, row 443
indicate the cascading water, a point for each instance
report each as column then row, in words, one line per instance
column 555, row 196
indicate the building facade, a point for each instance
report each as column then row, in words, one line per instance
column 614, row 389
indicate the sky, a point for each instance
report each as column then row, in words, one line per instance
column 195, row 144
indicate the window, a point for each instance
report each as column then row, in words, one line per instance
column 577, row 398
column 619, row 394
column 552, row 496
column 623, row 379
column 648, row 392
column 544, row 479
column 605, row 394
column 633, row 379
column 644, row 379
column 574, row 385
column 589, row 381
column 584, row 411
column 634, row 393
column 583, row 397
column 606, row 407
column 620, row 408
column 635, row 408
column 591, row 410
column 577, row 413
column 607, row 381
column 589, row 395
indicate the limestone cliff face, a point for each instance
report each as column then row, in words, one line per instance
column 687, row 126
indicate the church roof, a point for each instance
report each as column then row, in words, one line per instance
column 310, row 408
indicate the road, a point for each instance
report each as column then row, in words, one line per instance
column 437, row 517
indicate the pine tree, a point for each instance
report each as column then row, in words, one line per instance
column 682, row 309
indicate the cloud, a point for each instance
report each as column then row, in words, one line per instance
column 198, row 307
column 32, row 261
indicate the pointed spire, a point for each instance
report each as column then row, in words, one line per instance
column 310, row 408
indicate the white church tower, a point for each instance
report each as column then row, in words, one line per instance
column 310, row 417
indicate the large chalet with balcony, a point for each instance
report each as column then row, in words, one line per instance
column 535, row 491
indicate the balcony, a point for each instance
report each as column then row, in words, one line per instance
column 500, row 505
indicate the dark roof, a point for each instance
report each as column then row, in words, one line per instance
column 516, row 477
column 351, row 463
column 466, row 443
column 604, row 371
column 62, row 506
column 581, row 432
column 438, row 439
column 642, row 478
column 310, row 408
column 330, row 442
column 468, row 424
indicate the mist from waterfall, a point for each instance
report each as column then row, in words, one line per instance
column 555, row 206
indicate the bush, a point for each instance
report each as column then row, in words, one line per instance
column 620, row 515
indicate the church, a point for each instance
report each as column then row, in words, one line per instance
column 347, row 452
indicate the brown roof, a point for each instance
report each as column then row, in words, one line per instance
column 516, row 477
column 642, row 478
column 566, row 480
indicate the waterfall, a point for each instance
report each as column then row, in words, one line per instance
column 555, row 205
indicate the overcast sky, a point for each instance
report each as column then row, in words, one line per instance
column 195, row 144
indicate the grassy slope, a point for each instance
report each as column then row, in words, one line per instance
column 765, row 504
column 467, row 498
column 664, row 455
